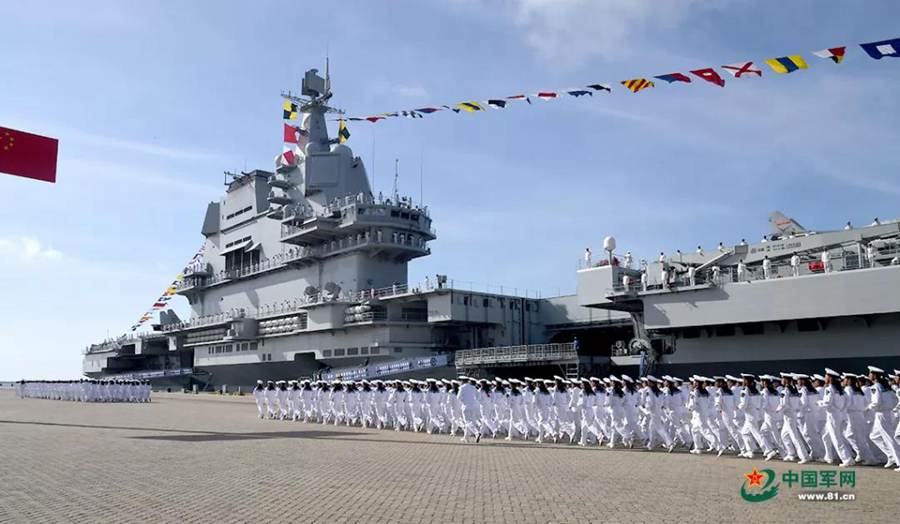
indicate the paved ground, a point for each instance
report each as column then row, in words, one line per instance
column 189, row 458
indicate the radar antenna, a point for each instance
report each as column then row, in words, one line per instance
column 397, row 180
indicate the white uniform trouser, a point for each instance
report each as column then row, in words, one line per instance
column 657, row 429
column 857, row 435
column 700, row 431
column 809, row 428
column 793, row 441
column 834, row 436
column 882, row 436
column 751, row 432
column 260, row 404
column 471, row 416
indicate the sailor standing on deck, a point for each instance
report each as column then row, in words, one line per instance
column 259, row 394
column 587, row 257
column 741, row 270
column 795, row 264
column 767, row 267
column 826, row 261
column 871, row 253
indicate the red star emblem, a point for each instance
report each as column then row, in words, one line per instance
column 754, row 477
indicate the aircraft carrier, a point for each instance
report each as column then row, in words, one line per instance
column 304, row 273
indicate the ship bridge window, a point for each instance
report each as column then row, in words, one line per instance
column 395, row 214
column 339, row 352
column 374, row 351
column 404, row 216
column 753, row 328
column 326, row 353
column 486, row 302
column 352, row 352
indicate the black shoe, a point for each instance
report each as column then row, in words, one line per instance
column 478, row 438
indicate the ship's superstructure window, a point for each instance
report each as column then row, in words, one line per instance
column 374, row 351
column 326, row 353
column 363, row 351
column 239, row 212
column 352, row 351
column 339, row 352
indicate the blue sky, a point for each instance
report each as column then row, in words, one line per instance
column 152, row 101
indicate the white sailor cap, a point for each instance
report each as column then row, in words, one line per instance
column 651, row 378
column 454, row 382
column 849, row 375
column 818, row 377
column 607, row 380
column 626, row 378
column 557, row 377
column 675, row 379
column 801, row 375
column 732, row 378
column 767, row 377
column 718, row 377
column 787, row 375
column 666, row 377
column 446, row 381
column 833, row 373
column 528, row 379
column 259, row 381
column 430, row 380
column 514, row 381
column 547, row 381
column 694, row 378
column 595, row 379
column 873, row 369
column 748, row 375
column 463, row 377
column 506, row 382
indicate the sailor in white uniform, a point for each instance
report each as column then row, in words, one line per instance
column 856, row 431
column 259, row 394
column 468, row 397
column 834, row 401
column 883, row 425
column 795, row 264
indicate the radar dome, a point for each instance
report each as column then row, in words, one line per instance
column 609, row 243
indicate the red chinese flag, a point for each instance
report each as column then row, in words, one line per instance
column 24, row 154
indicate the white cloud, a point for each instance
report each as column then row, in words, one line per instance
column 571, row 32
column 26, row 249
